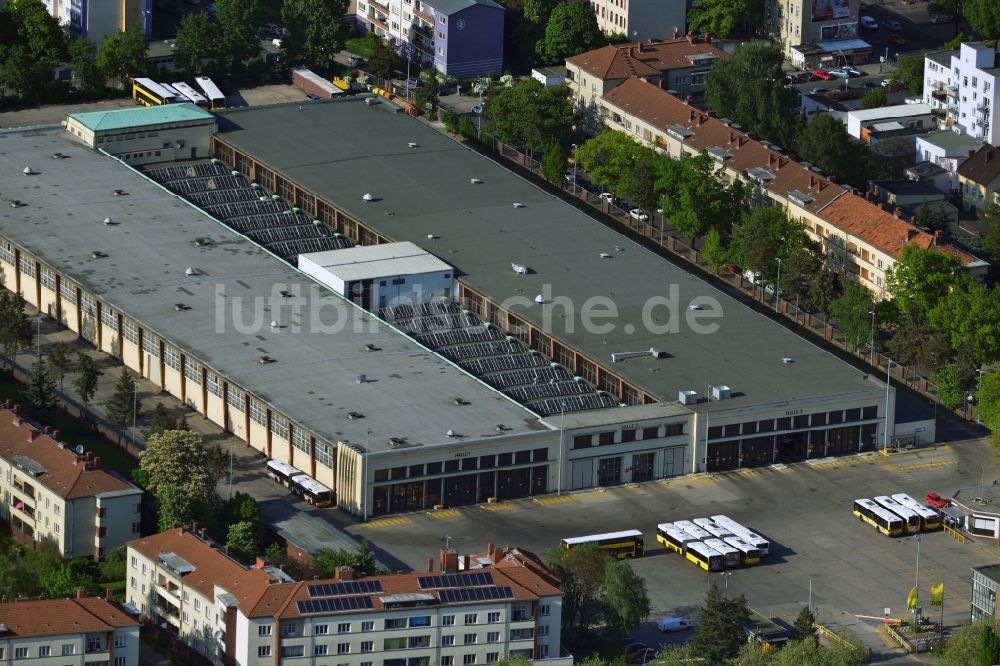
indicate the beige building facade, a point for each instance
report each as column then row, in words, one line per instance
column 641, row 19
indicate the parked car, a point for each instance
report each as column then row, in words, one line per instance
column 477, row 109
column 414, row 82
column 842, row 73
column 822, row 74
column 937, row 18
column 769, row 288
column 820, row 91
column 643, row 657
column 892, row 24
column 936, row 500
column 311, row 96
column 607, row 196
column 355, row 61
column 637, row 214
column 732, row 268
column 635, row 646
column 869, row 22
column 897, row 40
column 853, row 72
column 669, row 624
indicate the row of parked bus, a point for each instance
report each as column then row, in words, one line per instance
column 714, row 543
column 897, row 514
column 300, row 483
column 150, row 93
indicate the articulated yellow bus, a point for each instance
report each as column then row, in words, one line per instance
column 150, row 93
column 622, row 545
column 884, row 521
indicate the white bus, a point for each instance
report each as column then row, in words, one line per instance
column 730, row 555
column 215, row 97
column 884, row 521
column 191, row 94
column 752, row 538
column 704, row 556
column 623, row 544
column 673, row 538
column 911, row 519
column 709, row 526
column 312, row 490
column 929, row 518
column 282, row 472
column 748, row 554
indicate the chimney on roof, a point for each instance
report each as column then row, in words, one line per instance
column 741, row 140
column 79, row 593
column 56, row 434
column 97, row 462
column 708, row 38
column 430, row 564
column 449, row 561
column 88, row 456
column 491, row 551
column 345, row 573
column 32, row 435
column 194, row 527
column 690, row 38
column 47, row 430
column 109, row 594
column 675, row 34
column 659, row 83
column 897, row 212
column 937, row 238
column 910, row 235
column 770, row 159
column 702, row 118
column 17, row 409
column 638, row 47
column 17, row 421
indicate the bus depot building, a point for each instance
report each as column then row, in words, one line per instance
column 306, row 377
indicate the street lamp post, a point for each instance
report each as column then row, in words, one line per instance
column 871, row 341
column 725, row 576
column 135, row 406
column 562, row 433
column 777, row 287
column 574, row 169
column 916, row 586
column 888, row 383
column 38, row 337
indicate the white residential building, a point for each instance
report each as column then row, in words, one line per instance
column 640, row 20
column 961, row 86
column 861, row 122
column 475, row 610
column 948, row 150
column 68, row 632
column 99, row 18
column 50, row 492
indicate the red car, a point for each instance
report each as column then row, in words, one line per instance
column 822, row 74
column 935, row 500
column 897, row 40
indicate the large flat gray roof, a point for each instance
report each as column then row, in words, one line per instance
column 408, row 393
column 344, row 149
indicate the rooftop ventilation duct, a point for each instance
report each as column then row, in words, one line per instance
column 368, row 196
column 720, row 392
column 475, row 181
column 517, row 204
column 413, row 145
column 27, row 171
column 451, row 433
column 687, row 397
column 787, row 359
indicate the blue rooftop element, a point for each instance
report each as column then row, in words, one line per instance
column 140, row 116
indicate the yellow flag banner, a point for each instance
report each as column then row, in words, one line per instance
column 911, row 600
column 937, row 594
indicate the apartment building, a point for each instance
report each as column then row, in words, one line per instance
column 474, row 609
column 641, row 19
column 460, row 38
column 68, row 632
column 961, row 85
column 817, row 33
column 948, row 150
column 51, row 491
column 97, row 19
column 861, row 238
column 679, row 65
column 979, row 180
column 985, row 581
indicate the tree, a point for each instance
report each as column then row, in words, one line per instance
column 112, row 567
column 41, row 390
column 198, row 40
column 328, row 560
column 642, row 187
column 554, row 162
column 316, row 30
column 450, row 120
column 874, row 99
column 723, row 18
column 819, row 292
column 176, row 459
column 31, row 43
column 761, row 237
column 242, row 540
column 160, row 420
column 824, row 142
column 530, row 114
column 698, row 199
column 962, row 648
column 85, row 383
column 968, row 314
column 714, row 251
column 174, row 507
column 122, row 54
column 60, row 362
column 989, row 645
column 239, row 25
column 538, row 11
column 983, row 17
column 805, row 626
column 570, row 30
column 853, row 312
column 123, row 405
column 426, row 96
column 988, row 401
column 581, row 573
column 720, row 628
column 749, row 88
column 910, row 72
column 83, row 60
column 949, row 10
column 466, row 129
column 916, row 344
column 954, row 381
column 64, row 581
column 15, row 332
column 383, row 60
column 626, row 602
column 921, row 277
column 609, row 159
column 365, row 563
column 990, row 242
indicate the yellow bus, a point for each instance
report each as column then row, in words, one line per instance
column 626, row 544
column 929, row 518
column 673, row 538
column 884, row 521
column 150, row 93
column 704, row 556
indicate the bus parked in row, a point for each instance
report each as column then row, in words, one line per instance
column 911, row 521
column 752, row 538
column 884, row 521
column 673, row 538
column 150, row 93
column 625, row 544
column 190, row 94
column 282, row 472
column 749, row 555
column 216, row 100
column 929, row 518
column 730, row 555
column 704, row 556
column 312, row 490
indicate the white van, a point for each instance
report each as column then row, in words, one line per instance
column 752, row 277
column 670, row 624
column 869, row 22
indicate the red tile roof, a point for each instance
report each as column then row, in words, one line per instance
column 643, row 59
column 66, row 474
column 782, row 175
column 52, row 617
column 982, row 167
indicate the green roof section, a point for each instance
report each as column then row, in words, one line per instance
column 102, row 121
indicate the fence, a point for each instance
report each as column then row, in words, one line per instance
column 659, row 233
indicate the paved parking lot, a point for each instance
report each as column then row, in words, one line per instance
column 805, row 510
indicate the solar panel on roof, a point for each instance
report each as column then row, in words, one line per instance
column 333, row 605
column 454, row 580
column 345, row 588
column 466, row 594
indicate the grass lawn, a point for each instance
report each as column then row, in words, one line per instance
column 359, row 45
column 74, row 431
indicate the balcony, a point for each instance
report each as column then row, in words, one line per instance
column 939, row 93
column 169, row 595
column 522, row 634
column 379, row 6
column 425, row 14
column 421, row 44
column 380, row 21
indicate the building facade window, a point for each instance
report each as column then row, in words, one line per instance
column 172, row 358
column 324, row 454
column 300, row 440
column 48, row 279
column 279, row 426
column 213, row 385
column 6, row 253
column 67, row 291
column 192, row 371
column 109, row 318
column 151, row 345
column 27, row 266
column 130, row 330
column 236, row 398
column 257, row 413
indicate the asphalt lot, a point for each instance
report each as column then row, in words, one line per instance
column 805, row 510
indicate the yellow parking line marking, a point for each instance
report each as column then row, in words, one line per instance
column 749, row 472
column 505, row 506
column 387, row 522
column 698, row 480
column 446, row 513
column 558, row 499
